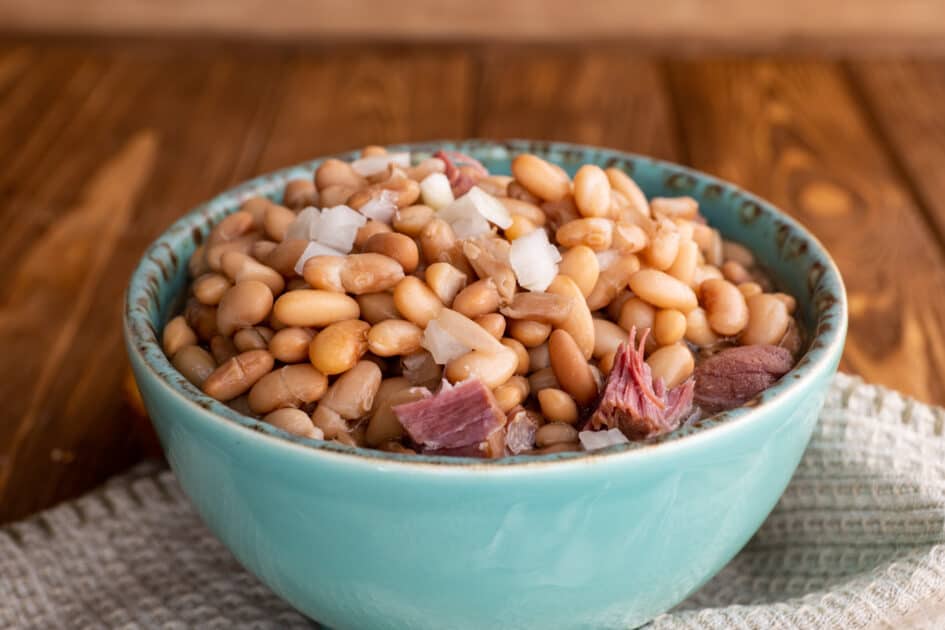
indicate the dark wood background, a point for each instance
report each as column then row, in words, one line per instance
column 102, row 145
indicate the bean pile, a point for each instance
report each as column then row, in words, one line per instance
column 380, row 282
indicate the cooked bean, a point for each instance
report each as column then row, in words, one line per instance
column 579, row 323
column 523, row 360
column 511, row 393
column 738, row 253
column 384, row 425
column 596, row 233
column 629, row 238
column 768, row 320
column 557, row 406
column 335, row 195
column 231, row 228
column 445, row 280
column 790, row 303
column 300, row 193
column 314, row 308
column 294, row 421
column 416, row 301
column 525, row 210
column 194, row 363
column 238, row 375
column 242, row 245
column 669, row 326
column 621, row 182
column 538, row 357
column 177, row 334
column 290, row 345
column 256, row 207
column 394, row 337
column 687, row 259
column 324, row 272
column 520, row 227
column 529, row 332
column 494, row 323
column 606, row 363
column 277, row 221
column 370, row 273
column 479, row 298
column 637, row 314
column 239, row 267
column 289, row 386
column 202, row 319
column 616, row 305
column 749, row 289
column 612, row 280
column 330, row 422
column 197, row 263
column 495, row 185
column 368, row 231
column 210, row 287
column 662, row 290
column 542, row 379
column 436, row 240
column 399, row 247
column 376, row 307
column 543, row 179
column 571, row 368
column 338, row 173
column 555, row 433
column 223, row 349
column 592, row 191
column 607, row 337
column 425, row 168
column 580, row 264
column 703, row 273
column 413, row 219
column 255, row 338
column 698, row 330
column 735, row 273
column 285, row 255
column 491, row 368
column 674, row 364
column 683, row 207
column 725, row 307
column 352, row 394
column 339, row 346
column 516, row 191
column 539, row 306
column 244, row 304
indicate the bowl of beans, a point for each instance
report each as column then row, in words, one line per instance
column 467, row 384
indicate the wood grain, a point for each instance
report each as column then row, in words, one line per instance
column 794, row 132
column 672, row 25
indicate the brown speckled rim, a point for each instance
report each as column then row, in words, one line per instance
column 161, row 276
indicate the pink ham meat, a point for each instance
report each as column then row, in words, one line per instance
column 462, row 171
column 634, row 403
column 456, row 418
column 736, row 375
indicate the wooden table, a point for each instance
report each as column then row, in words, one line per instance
column 103, row 145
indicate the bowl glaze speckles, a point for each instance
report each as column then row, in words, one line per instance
column 357, row 538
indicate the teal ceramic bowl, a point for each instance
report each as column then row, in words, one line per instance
column 356, row 538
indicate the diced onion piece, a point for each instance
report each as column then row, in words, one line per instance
column 381, row 209
column 534, row 260
column 314, row 248
column 474, row 225
column 470, row 214
column 338, row 227
column 435, row 191
column 305, row 226
column 606, row 258
column 595, row 440
column 467, row 332
column 489, row 207
column 375, row 164
column 441, row 344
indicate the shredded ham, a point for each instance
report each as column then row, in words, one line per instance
column 734, row 376
column 465, row 415
column 634, row 403
column 461, row 180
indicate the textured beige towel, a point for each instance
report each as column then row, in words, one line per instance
column 856, row 542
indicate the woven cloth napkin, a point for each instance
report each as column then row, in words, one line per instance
column 855, row 542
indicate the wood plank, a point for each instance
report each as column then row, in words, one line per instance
column 794, row 133
column 353, row 97
column 602, row 97
column 905, row 99
column 122, row 167
column 852, row 25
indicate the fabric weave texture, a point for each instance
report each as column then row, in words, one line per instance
column 857, row 541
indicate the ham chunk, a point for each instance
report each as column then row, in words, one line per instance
column 634, row 403
column 734, row 376
column 462, row 416
column 462, row 171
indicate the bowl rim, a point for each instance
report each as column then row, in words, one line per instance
column 142, row 339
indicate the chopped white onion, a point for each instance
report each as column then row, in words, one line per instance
column 305, row 225
column 474, row 225
column 441, row 344
column 467, row 332
column 338, row 227
column 375, row 164
column 489, row 207
column 606, row 258
column 595, row 440
column 435, row 191
column 470, row 214
column 314, row 248
column 534, row 260
column 381, row 209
